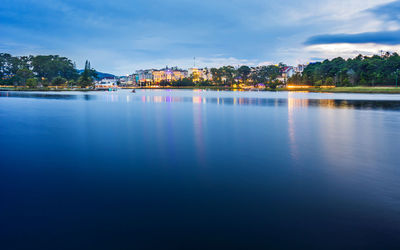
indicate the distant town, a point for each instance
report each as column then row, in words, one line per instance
column 48, row 72
column 161, row 77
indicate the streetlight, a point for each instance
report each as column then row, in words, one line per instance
column 397, row 76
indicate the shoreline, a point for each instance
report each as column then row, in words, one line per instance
column 350, row 90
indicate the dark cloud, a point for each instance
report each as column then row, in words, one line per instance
column 383, row 37
column 387, row 12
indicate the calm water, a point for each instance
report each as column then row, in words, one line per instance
column 199, row 170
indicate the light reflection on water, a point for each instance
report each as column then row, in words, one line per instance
column 196, row 165
column 291, row 100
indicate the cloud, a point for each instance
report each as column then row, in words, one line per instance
column 388, row 12
column 383, row 37
column 347, row 50
column 121, row 36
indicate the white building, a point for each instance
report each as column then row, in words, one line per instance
column 106, row 84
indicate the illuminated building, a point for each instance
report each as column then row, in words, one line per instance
column 158, row 76
column 199, row 74
column 144, row 77
column 168, row 75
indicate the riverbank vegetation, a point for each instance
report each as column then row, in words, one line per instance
column 360, row 71
column 43, row 71
column 357, row 89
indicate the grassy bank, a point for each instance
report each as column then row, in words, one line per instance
column 42, row 89
column 358, row 89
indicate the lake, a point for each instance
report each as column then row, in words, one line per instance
column 183, row 169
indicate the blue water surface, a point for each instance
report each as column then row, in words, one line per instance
column 183, row 169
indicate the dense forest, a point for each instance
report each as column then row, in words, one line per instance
column 42, row 71
column 362, row 70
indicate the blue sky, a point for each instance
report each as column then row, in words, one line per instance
column 122, row 36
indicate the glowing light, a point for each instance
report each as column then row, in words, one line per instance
column 308, row 86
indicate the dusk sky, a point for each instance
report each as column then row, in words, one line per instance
column 123, row 36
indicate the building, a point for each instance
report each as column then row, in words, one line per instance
column 287, row 72
column 144, row 77
column 106, row 84
column 180, row 74
column 158, row 76
column 153, row 76
column 129, row 80
column 199, row 74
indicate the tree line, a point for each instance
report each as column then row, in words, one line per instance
column 43, row 70
column 229, row 76
column 361, row 70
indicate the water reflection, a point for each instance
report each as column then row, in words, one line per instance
column 199, row 99
column 47, row 95
column 198, row 130
column 294, row 103
column 290, row 102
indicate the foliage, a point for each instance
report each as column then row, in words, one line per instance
column 87, row 77
column 22, row 75
column 32, row 82
column 362, row 70
column 59, row 81
column 17, row 70
column 244, row 72
column 217, row 75
column 183, row 82
column 52, row 66
column 273, row 84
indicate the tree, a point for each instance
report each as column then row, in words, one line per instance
column 59, row 81
column 87, row 75
column 23, row 75
column 244, row 72
column 183, row 82
column 52, row 66
column 362, row 70
column 329, row 81
column 16, row 70
column 32, row 82
column 273, row 84
column 216, row 75
column 295, row 79
column 228, row 73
